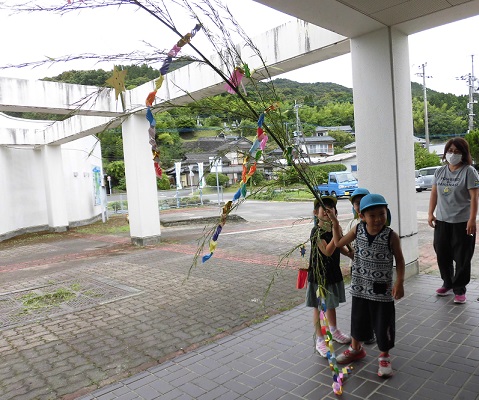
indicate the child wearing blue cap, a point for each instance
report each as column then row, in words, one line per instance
column 355, row 200
column 324, row 270
column 372, row 289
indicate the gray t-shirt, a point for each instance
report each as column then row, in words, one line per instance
column 453, row 199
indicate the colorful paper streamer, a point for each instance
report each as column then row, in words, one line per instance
column 152, row 95
column 339, row 374
column 254, row 154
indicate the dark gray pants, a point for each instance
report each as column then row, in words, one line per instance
column 453, row 244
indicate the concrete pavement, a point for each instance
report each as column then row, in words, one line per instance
column 139, row 323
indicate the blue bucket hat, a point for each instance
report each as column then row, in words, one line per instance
column 372, row 200
column 357, row 192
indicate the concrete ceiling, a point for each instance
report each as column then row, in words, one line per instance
column 353, row 18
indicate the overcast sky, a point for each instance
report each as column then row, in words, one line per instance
column 447, row 50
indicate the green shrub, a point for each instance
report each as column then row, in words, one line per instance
column 258, row 178
column 316, row 173
column 118, row 205
column 211, row 179
column 163, row 183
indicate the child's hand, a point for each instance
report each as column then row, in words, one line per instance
column 398, row 291
column 331, row 214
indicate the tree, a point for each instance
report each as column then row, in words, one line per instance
column 116, row 170
column 445, row 120
column 342, row 139
column 257, row 178
column 111, row 145
column 473, row 140
column 185, row 123
column 422, row 157
column 212, row 120
column 170, row 148
column 335, row 114
column 248, row 127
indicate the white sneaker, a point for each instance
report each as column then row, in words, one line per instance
column 321, row 347
column 385, row 370
column 341, row 337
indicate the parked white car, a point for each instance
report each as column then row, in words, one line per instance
column 419, row 182
column 427, row 174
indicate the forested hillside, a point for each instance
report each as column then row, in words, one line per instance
column 303, row 105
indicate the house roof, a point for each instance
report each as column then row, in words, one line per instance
column 193, row 158
column 213, row 145
column 203, row 149
column 350, row 146
column 314, row 139
column 339, row 157
column 345, row 128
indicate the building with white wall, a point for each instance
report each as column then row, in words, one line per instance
column 24, row 188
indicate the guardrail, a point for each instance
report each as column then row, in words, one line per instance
column 120, row 204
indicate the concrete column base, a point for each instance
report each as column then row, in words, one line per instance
column 58, row 229
column 411, row 269
column 145, row 241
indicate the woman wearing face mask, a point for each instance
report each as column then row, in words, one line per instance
column 454, row 196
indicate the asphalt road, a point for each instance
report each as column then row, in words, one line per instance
column 249, row 212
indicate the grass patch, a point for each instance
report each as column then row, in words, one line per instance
column 115, row 224
column 285, row 194
column 28, row 238
column 33, row 301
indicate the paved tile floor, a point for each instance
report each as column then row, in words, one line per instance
column 158, row 330
column 436, row 357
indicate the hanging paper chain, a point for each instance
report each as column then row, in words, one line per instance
column 338, row 374
column 254, row 154
column 152, row 95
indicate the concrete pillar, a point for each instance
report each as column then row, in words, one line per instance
column 143, row 211
column 384, row 129
column 54, row 188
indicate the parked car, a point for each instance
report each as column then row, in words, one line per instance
column 427, row 175
column 419, row 182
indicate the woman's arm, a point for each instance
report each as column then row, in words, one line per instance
column 471, row 223
column 431, row 219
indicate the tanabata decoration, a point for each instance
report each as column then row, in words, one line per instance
column 339, row 374
column 152, row 95
column 117, row 81
column 303, row 270
column 236, row 79
column 254, row 154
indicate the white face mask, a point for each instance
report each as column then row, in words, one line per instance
column 453, row 159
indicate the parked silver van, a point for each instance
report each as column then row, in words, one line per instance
column 427, row 174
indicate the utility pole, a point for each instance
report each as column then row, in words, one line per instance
column 470, row 105
column 426, row 119
column 298, row 121
column 298, row 134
